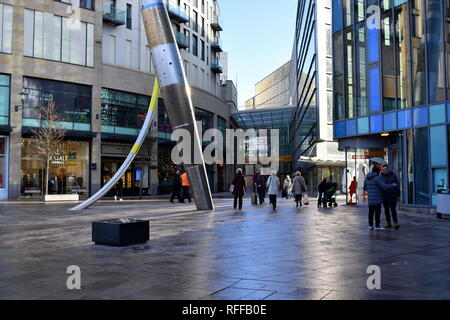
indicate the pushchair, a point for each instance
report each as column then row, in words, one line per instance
column 329, row 197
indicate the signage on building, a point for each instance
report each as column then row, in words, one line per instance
column 368, row 155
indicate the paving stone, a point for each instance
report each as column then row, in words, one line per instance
column 254, row 254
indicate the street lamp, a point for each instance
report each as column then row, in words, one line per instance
column 23, row 95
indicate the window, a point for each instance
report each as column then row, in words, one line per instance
column 421, row 166
column 87, row 4
column 123, row 112
column 4, row 99
column 112, row 49
column 73, row 102
column 436, row 69
column 418, row 53
column 361, row 79
column 202, row 48
column 195, row 45
column 6, row 23
column 58, row 38
column 3, row 164
column 387, row 51
column 129, row 15
column 402, row 57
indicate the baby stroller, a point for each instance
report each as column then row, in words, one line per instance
column 329, row 197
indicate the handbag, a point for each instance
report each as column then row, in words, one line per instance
column 232, row 188
column 305, row 199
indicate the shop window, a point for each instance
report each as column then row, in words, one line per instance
column 376, row 123
column 438, row 146
column 68, row 171
column 421, row 117
column 404, row 119
column 421, row 167
column 439, row 179
column 390, row 121
column 437, row 114
column 363, row 125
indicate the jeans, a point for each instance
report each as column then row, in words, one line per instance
column 390, row 207
column 273, row 200
column 298, row 199
column 374, row 210
column 236, row 197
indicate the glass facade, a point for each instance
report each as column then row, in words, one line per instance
column 68, row 172
column 72, row 101
column 400, row 65
column 123, row 112
column 303, row 131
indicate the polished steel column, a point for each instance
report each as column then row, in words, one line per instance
column 176, row 93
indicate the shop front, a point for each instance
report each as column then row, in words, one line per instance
column 4, row 167
column 68, row 171
column 136, row 180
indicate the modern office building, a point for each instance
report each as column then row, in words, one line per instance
column 392, row 91
column 314, row 152
column 272, row 91
column 91, row 58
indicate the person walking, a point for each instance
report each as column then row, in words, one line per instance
column 239, row 188
column 390, row 197
column 299, row 186
column 273, row 185
column 352, row 190
column 259, row 186
column 176, row 186
column 374, row 186
column 322, row 189
column 185, row 187
column 119, row 189
column 287, row 187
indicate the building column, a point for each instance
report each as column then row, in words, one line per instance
column 15, row 139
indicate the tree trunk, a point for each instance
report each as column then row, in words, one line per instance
column 46, row 176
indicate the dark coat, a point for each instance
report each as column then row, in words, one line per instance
column 259, row 183
column 176, row 181
column 299, row 185
column 240, row 186
column 323, row 186
column 390, row 195
column 374, row 185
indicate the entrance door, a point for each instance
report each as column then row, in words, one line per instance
column 3, row 168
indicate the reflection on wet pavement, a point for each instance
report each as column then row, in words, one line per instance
column 306, row 253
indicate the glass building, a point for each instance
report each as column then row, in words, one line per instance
column 391, row 78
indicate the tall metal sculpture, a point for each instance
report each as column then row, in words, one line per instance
column 176, row 93
column 177, row 98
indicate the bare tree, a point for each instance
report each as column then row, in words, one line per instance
column 47, row 139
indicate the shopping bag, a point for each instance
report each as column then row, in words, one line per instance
column 254, row 199
column 305, row 199
column 232, row 188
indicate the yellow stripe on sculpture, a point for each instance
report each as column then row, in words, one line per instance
column 155, row 96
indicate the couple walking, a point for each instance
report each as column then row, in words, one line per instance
column 382, row 190
column 239, row 188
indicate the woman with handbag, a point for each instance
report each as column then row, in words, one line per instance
column 299, row 187
column 273, row 185
column 238, row 188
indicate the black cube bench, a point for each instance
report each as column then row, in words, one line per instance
column 120, row 232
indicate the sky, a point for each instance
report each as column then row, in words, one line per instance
column 258, row 36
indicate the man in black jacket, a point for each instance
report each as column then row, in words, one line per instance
column 390, row 196
column 176, row 186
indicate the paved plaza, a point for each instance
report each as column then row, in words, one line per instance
column 306, row 253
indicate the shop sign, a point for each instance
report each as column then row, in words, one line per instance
column 368, row 155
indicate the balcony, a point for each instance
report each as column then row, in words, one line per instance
column 216, row 45
column 183, row 41
column 216, row 66
column 216, row 24
column 176, row 13
column 113, row 15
